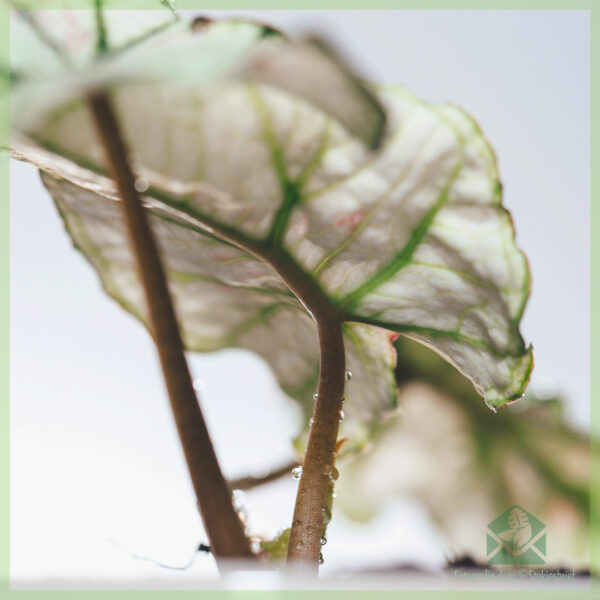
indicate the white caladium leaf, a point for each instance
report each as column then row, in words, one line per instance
column 225, row 297
column 48, row 42
column 60, row 56
column 53, row 51
column 411, row 239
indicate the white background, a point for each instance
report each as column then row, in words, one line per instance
column 94, row 454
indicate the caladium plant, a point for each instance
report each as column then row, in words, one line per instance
column 299, row 212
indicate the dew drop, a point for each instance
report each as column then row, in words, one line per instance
column 260, row 470
column 297, row 472
column 141, row 185
column 326, row 516
column 348, row 375
column 323, row 541
column 334, row 495
column 321, row 559
column 315, row 396
column 342, row 415
column 311, row 422
column 199, row 384
column 239, row 499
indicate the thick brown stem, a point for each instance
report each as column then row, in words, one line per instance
column 305, row 547
column 221, row 522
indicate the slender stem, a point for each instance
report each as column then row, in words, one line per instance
column 223, row 527
column 304, row 547
column 249, row 482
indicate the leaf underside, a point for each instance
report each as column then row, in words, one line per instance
column 411, row 239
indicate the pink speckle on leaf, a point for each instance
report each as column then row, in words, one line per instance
column 77, row 35
column 352, row 220
column 221, row 257
column 299, row 227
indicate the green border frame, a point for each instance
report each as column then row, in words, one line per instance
column 593, row 6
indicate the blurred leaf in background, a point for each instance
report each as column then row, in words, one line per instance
column 467, row 465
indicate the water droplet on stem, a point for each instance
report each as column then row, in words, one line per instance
column 238, row 499
column 141, row 185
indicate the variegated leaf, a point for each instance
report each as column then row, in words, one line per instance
column 227, row 298
column 60, row 56
column 411, row 239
